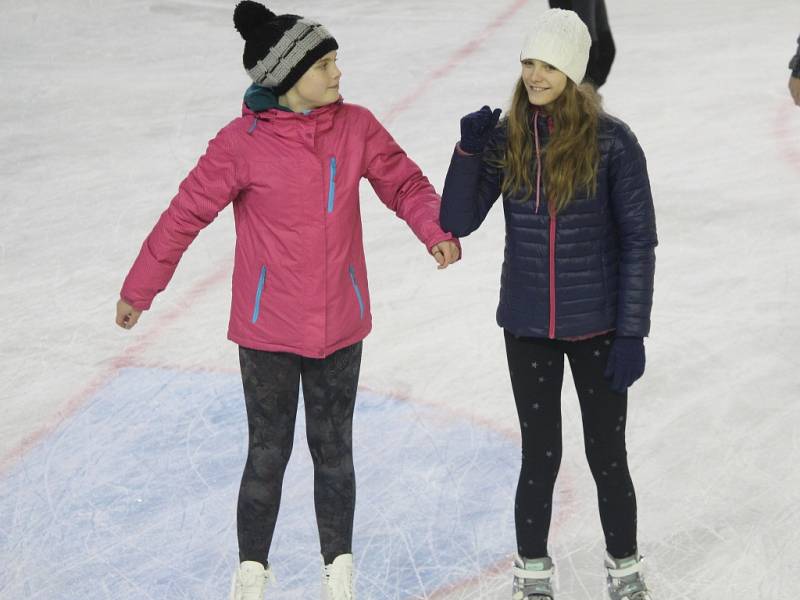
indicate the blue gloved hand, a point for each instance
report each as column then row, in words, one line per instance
column 625, row 362
column 476, row 128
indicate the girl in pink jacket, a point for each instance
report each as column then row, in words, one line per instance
column 291, row 166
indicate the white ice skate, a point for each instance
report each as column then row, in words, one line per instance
column 533, row 578
column 337, row 579
column 626, row 578
column 249, row 581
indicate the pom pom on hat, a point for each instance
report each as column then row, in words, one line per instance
column 248, row 17
column 559, row 37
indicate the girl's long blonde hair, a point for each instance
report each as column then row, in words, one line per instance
column 570, row 159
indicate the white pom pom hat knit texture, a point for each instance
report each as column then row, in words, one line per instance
column 559, row 37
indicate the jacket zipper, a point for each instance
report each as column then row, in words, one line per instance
column 261, row 281
column 332, row 185
column 358, row 292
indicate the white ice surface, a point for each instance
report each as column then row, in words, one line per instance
column 106, row 106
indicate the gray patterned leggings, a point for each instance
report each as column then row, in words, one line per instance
column 271, row 383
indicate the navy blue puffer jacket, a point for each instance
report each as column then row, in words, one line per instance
column 587, row 269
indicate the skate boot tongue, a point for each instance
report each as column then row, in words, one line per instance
column 251, row 572
column 249, row 581
column 535, row 564
column 532, row 579
column 337, row 579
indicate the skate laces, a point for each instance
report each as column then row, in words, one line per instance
column 532, row 579
column 626, row 579
column 633, row 589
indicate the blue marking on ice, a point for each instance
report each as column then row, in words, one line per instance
column 134, row 497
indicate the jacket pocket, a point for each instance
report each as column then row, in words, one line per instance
column 332, row 184
column 357, row 290
column 262, row 279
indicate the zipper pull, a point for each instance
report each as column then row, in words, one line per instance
column 253, row 126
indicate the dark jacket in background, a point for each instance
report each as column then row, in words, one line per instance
column 601, row 54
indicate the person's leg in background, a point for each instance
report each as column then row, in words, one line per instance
column 601, row 55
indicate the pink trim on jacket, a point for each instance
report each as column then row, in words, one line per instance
column 552, row 246
column 552, row 328
column 538, row 158
column 588, row 336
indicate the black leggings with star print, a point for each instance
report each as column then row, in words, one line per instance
column 536, row 366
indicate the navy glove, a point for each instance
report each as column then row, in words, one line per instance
column 625, row 362
column 476, row 128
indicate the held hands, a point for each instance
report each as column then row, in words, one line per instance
column 476, row 128
column 625, row 362
column 126, row 315
column 794, row 89
column 445, row 253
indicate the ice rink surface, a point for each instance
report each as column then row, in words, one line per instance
column 120, row 451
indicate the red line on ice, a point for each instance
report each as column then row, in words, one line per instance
column 456, row 58
column 126, row 358
column 130, row 355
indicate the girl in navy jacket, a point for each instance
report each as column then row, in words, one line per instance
column 577, row 281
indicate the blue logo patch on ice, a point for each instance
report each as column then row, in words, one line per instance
column 135, row 497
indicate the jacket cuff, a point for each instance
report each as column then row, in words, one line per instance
column 460, row 152
column 446, row 237
column 140, row 306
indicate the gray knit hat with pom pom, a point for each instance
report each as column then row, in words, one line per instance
column 278, row 49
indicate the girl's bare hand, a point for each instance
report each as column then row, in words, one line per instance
column 445, row 253
column 126, row 315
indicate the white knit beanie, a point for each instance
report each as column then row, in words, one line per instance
column 559, row 37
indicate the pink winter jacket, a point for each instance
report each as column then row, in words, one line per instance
column 299, row 277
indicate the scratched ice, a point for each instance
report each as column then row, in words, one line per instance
column 134, row 497
column 110, row 489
